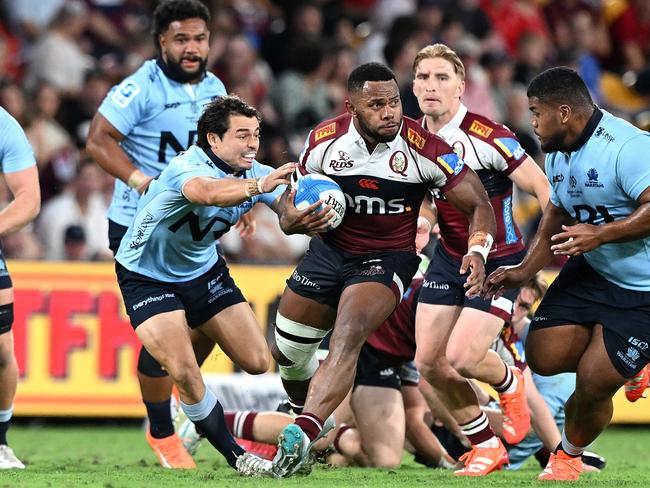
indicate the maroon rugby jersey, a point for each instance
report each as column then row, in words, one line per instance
column 383, row 190
column 396, row 336
column 494, row 152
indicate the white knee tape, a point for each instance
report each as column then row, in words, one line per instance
column 298, row 343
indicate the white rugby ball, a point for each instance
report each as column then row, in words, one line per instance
column 313, row 187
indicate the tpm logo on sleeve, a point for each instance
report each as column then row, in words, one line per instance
column 125, row 93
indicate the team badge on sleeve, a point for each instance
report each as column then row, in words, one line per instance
column 125, row 93
column 451, row 162
column 510, row 147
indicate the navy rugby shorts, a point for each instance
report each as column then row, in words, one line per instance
column 443, row 285
column 202, row 298
column 374, row 368
column 579, row 295
column 326, row 271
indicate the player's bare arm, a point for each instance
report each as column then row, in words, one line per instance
column 470, row 197
column 427, row 219
column 26, row 204
column 103, row 145
column 529, row 177
column 539, row 254
column 310, row 220
column 580, row 238
column 228, row 192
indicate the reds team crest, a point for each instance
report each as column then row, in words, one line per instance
column 459, row 149
column 398, row 163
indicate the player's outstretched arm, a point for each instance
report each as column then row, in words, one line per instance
column 539, row 254
column 26, row 204
column 103, row 145
column 228, row 192
column 470, row 197
column 530, row 178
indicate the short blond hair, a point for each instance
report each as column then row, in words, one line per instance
column 440, row 51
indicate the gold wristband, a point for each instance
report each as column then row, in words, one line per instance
column 252, row 188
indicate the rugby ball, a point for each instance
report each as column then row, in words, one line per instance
column 313, row 187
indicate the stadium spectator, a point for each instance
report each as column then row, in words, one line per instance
column 141, row 124
column 590, row 320
column 82, row 204
column 353, row 277
column 454, row 331
column 19, row 170
column 173, row 280
column 57, row 56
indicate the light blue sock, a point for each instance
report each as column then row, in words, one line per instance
column 5, row 415
column 200, row 411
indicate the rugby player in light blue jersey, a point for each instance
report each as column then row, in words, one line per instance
column 172, row 277
column 593, row 319
column 18, row 166
column 144, row 122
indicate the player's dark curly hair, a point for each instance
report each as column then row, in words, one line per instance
column 216, row 117
column 561, row 86
column 169, row 11
column 369, row 72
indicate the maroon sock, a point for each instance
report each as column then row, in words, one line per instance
column 310, row 424
column 297, row 405
column 505, row 383
column 240, row 424
column 478, row 430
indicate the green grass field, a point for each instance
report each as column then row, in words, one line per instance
column 117, row 456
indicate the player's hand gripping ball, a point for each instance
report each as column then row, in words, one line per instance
column 313, row 187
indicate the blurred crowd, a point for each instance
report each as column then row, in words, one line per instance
column 291, row 58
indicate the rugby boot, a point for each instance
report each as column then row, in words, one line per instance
column 190, row 438
column 481, row 461
column 516, row 416
column 635, row 387
column 8, row 459
column 562, row 467
column 170, row 452
column 251, row 465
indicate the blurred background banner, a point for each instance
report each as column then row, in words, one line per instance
column 77, row 352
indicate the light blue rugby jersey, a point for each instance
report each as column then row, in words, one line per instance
column 15, row 152
column 172, row 239
column 158, row 117
column 600, row 182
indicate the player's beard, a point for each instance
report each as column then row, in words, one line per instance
column 180, row 74
column 553, row 143
column 374, row 134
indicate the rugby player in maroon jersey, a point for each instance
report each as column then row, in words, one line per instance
column 353, row 277
column 454, row 332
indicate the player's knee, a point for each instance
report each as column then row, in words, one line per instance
column 463, row 363
column 148, row 366
column 434, row 370
column 185, row 373
column 256, row 363
column 386, row 458
column 295, row 348
column 6, row 355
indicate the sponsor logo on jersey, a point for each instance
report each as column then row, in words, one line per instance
column 369, row 184
column 369, row 205
column 125, row 93
column 510, row 147
column 601, row 132
column 480, row 129
column 593, row 182
column 328, row 130
column 558, row 178
column 172, row 105
column 414, row 138
column 398, row 162
column 343, row 162
column 451, row 162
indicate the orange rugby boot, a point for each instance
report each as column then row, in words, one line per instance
column 481, row 461
column 516, row 416
column 562, row 467
column 170, row 452
column 635, row 387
